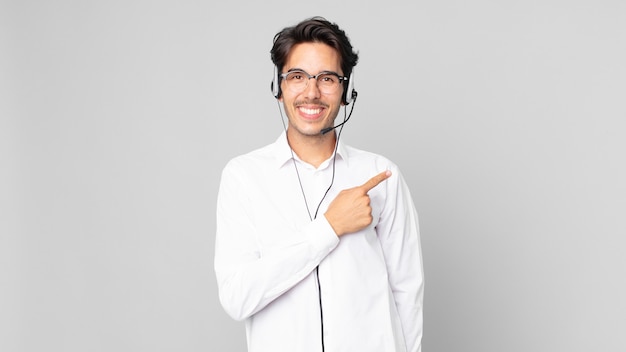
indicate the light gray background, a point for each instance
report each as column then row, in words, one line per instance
column 506, row 117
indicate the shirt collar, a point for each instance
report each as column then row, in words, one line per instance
column 283, row 154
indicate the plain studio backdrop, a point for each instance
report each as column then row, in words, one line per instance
column 507, row 119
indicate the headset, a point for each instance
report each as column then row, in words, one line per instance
column 345, row 99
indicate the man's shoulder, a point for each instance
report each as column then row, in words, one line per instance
column 252, row 159
column 360, row 156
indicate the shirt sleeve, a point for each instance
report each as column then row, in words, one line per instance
column 398, row 232
column 248, row 280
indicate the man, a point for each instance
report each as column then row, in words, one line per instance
column 317, row 244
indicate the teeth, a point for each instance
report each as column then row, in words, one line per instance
column 310, row 111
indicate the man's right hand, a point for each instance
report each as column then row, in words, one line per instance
column 350, row 211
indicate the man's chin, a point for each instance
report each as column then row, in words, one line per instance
column 309, row 132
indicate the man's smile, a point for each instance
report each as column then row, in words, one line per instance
column 310, row 111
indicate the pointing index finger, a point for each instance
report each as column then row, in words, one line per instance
column 375, row 181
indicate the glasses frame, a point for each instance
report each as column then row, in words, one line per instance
column 283, row 77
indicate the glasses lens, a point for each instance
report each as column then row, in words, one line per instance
column 328, row 83
column 296, row 81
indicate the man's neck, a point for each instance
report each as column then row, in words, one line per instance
column 313, row 150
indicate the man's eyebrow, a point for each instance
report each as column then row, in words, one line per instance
column 297, row 69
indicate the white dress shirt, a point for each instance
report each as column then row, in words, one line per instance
column 267, row 249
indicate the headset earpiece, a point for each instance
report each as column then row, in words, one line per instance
column 350, row 94
column 275, row 86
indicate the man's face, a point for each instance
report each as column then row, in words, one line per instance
column 310, row 111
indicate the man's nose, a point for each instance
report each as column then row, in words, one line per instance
column 312, row 90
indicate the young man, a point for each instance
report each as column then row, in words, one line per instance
column 317, row 244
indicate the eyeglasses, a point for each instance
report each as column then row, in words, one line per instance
column 327, row 82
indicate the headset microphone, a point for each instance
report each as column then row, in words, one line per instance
column 353, row 100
